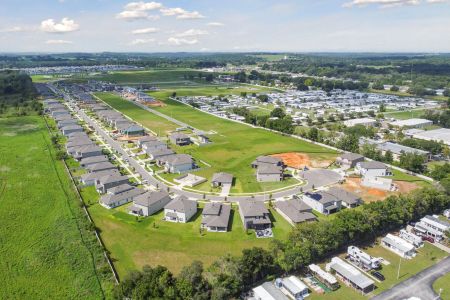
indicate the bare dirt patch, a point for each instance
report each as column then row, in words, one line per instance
column 299, row 160
column 405, row 186
column 156, row 104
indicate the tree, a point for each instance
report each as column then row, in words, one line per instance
column 191, row 284
column 263, row 98
column 378, row 86
column 388, row 157
column 255, row 264
column 382, row 108
column 348, row 143
column 394, row 88
column 413, row 162
column 277, row 113
column 313, row 134
column 209, row 77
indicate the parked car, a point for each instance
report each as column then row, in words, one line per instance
column 428, row 238
column 378, row 275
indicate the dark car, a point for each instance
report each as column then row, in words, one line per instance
column 427, row 238
column 378, row 275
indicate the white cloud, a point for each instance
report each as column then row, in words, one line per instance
column 131, row 15
column 180, row 42
column 215, row 24
column 142, row 6
column 153, row 17
column 66, row 25
column 389, row 3
column 141, row 41
column 145, row 30
column 58, row 42
column 181, row 13
column 13, row 29
column 192, row 33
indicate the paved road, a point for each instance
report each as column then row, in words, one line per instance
column 316, row 178
column 420, row 285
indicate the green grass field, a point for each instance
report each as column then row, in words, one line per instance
column 153, row 241
column 42, row 254
column 233, row 147
column 402, row 115
column 444, row 284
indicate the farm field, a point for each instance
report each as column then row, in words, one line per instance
column 233, row 147
column 152, row 241
column 42, row 252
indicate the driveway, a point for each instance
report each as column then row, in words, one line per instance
column 420, row 285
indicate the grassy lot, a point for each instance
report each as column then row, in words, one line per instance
column 210, row 91
column 174, row 245
column 156, row 123
column 233, row 147
column 444, row 284
column 402, row 115
column 400, row 176
column 43, row 255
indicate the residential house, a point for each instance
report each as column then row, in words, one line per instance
column 120, row 195
column 264, row 160
column 295, row 211
column 93, row 160
column 131, row 130
column 349, row 160
column 87, row 151
column 102, row 166
column 153, row 146
column 221, row 179
column 146, row 139
column 432, row 226
column 179, row 139
column 293, row 287
column 397, row 150
column 149, row 203
column 349, row 199
column 159, row 153
column 89, row 179
column 254, row 215
column 350, row 275
column 177, row 163
column 67, row 122
column 216, row 216
column 268, row 291
column 180, row 209
column 323, row 202
column 399, row 246
column 372, row 169
column 109, row 181
column 66, row 130
column 269, row 173
column 326, row 278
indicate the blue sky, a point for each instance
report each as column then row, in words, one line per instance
column 231, row 25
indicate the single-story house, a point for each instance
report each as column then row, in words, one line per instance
column 149, row 203
column 254, row 214
column 216, row 216
column 180, row 209
column 102, row 166
column 399, row 246
column 93, row 160
column 159, row 153
column 66, row 130
column 146, row 139
column 91, row 178
column 131, row 130
column 432, row 226
column 177, row 163
column 372, row 169
column 295, row 211
column 221, row 179
column 120, row 195
column 68, row 122
column 350, row 275
column 293, row 287
column 349, row 199
column 323, row 202
column 154, row 145
column 179, row 139
column 268, row 291
column 264, row 160
column 87, row 151
column 349, row 160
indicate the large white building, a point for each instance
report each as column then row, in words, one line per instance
column 438, row 135
column 412, row 123
column 361, row 121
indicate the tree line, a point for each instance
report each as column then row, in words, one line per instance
column 230, row 276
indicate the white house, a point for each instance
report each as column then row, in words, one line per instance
column 268, row 291
column 292, row 287
column 399, row 246
column 180, row 210
column 323, row 202
column 372, row 169
column 350, row 275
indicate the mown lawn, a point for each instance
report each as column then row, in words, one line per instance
column 42, row 255
column 444, row 284
column 402, row 115
column 152, row 241
column 234, row 146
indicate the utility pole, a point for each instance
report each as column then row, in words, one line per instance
column 398, row 271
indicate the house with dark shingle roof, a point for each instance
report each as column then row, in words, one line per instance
column 177, row 163
column 179, row 139
column 66, row 130
column 216, row 216
column 159, row 153
column 295, row 211
column 323, row 202
column 87, row 151
column 349, row 199
column 221, row 178
column 146, row 139
column 269, row 173
column 254, row 215
column 102, row 166
column 149, row 203
column 349, row 160
column 267, row 160
column 120, row 195
column 373, row 169
column 109, row 181
column 180, row 209
column 93, row 160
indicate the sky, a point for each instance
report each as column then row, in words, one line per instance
column 228, row 25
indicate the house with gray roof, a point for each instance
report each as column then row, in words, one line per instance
column 397, row 150
column 89, row 179
column 177, row 163
column 159, row 153
column 77, row 144
column 295, row 211
column 102, row 166
column 146, row 139
column 372, row 169
column 322, row 201
column 350, row 275
column 93, row 160
column 67, row 122
column 66, row 130
column 154, row 145
column 221, row 178
column 269, row 173
column 87, row 151
column 131, row 130
column 349, row 199
column 122, row 194
column 62, row 117
column 216, row 216
column 349, row 160
column 109, row 181
column 267, row 160
column 149, row 203
column 268, row 291
column 179, row 139
column 254, row 215
column 180, row 210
